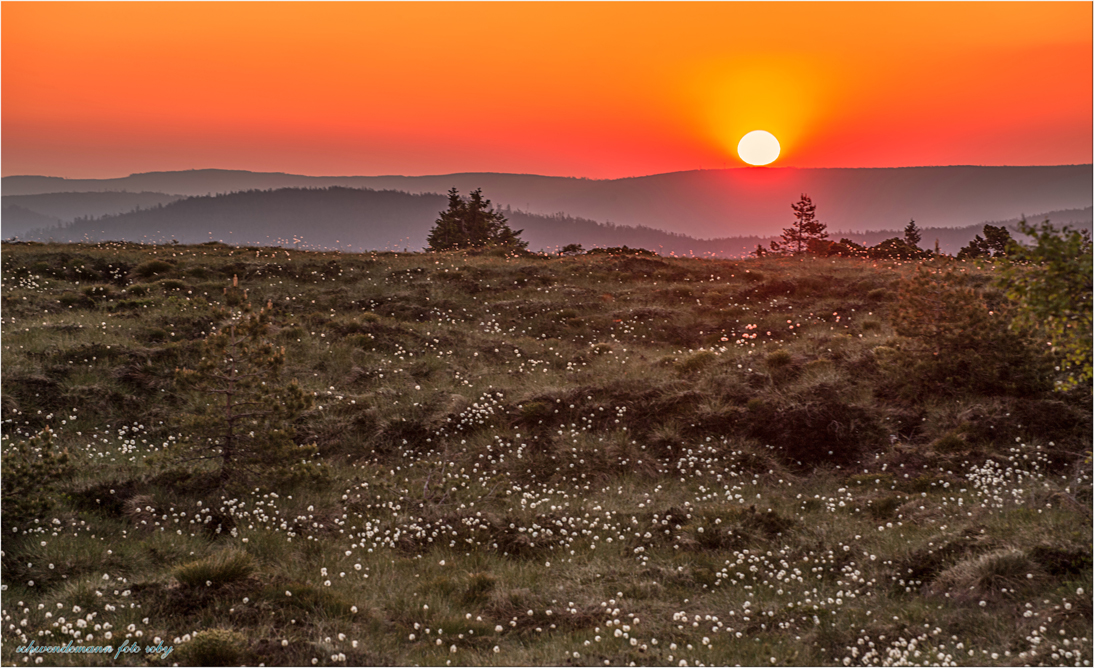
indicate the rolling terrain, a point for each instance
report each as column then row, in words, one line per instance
column 702, row 204
column 357, row 219
column 599, row 460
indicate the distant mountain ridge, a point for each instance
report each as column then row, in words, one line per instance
column 701, row 204
column 22, row 213
column 360, row 219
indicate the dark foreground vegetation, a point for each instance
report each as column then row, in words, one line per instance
column 479, row 459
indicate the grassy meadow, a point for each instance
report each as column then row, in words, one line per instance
column 606, row 459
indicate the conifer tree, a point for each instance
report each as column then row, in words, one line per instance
column 994, row 243
column 472, row 222
column 242, row 412
column 911, row 234
column 806, row 228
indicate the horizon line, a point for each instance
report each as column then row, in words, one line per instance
column 552, row 176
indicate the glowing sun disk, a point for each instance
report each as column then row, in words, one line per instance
column 758, row 147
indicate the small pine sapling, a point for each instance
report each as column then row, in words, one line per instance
column 242, row 412
column 32, row 470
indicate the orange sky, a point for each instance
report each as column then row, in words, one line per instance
column 580, row 89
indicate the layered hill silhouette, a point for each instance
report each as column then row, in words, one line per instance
column 702, row 204
column 362, row 219
column 22, row 213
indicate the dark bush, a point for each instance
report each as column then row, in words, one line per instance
column 817, row 428
column 958, row 344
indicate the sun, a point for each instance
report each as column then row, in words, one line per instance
column 758, row 147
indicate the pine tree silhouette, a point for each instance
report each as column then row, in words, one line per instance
column 795, row 239
column 472, row 222
column 911, row 233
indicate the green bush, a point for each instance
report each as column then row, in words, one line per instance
column 958, row 343
column 1053, row 287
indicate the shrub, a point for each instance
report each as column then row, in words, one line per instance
column 816, row 427
column 958, row 342
column 1052, row 285
column 622, row 250
column 32, row 472
column 155, row 335
column 895, row 249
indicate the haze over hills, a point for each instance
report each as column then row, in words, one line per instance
column 700, row 204
column 361, row 219
column 22, row 213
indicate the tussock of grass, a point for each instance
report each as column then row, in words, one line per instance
column 218, row 570
column 214, row 647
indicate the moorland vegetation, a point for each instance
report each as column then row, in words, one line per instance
column 494, row 457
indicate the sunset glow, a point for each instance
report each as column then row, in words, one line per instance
column 581, row 89
column 758, row 147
